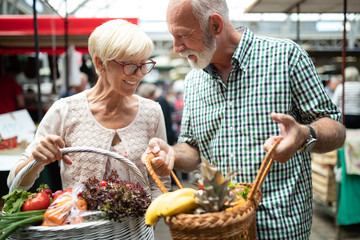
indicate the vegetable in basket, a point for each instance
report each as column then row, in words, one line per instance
column 67, row 208
column 14, row 201
column 11, row 222
column 118, row 198
column 22, row 208
column 19, row 200
column 38, row 202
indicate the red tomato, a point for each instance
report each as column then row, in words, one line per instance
column 47, row 191
column 39, row 202
column 68, row 190
column 45, row 188
column 238, row 189
column 200, row 186
column 56, row 194
column 103, row 183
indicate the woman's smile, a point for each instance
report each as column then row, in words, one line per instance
column 130, row 82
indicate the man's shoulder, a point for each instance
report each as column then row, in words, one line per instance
column 273, row 41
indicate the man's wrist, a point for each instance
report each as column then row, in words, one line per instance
column 310, row 142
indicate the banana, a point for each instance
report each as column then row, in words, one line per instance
column 182, row 192
column 153, row 212
column 170, row 203
column 180, row 205
column 178, row 199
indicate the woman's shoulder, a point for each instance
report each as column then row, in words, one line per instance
column 149, row 109
column 148, row 103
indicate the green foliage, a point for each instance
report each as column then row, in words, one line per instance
column 14, row 201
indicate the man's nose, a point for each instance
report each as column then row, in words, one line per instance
column 178, row 46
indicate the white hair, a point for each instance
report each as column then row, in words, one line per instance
column 351, row 74
column 203, row 9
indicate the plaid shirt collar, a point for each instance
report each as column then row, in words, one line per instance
column 240, row 58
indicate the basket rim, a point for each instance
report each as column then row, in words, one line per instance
column 69, row 226
column 86, row 224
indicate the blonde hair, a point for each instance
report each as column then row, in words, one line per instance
column 121, row 40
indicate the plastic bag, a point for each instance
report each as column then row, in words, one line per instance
column 69, row 208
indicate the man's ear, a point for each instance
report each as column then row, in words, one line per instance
column 216, row 24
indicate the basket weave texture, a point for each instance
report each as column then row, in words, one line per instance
column 239, row 223
column 129, row 228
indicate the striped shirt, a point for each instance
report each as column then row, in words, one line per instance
column 229, row 123
column 352, row 98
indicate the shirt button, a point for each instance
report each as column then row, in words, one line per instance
column 231, row 155
column 230, row 103
column 231, row 129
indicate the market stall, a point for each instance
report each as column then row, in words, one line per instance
column 17, row 37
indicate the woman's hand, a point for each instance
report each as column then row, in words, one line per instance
column 163, row 163
column 48, row 150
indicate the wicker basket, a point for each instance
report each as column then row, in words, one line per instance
column 235, row 224
column 129, row 228
column 239, row 223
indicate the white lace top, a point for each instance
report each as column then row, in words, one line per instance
column 113, row 164
column 72, row 119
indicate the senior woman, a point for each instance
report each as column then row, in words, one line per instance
column 107, row 116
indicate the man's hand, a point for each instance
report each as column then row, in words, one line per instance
column 163, row 163
column 293, row 134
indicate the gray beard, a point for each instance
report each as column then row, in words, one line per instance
column 204, row 57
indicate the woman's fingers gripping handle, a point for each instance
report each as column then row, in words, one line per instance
column 48, row 150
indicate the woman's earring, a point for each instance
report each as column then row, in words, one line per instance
column 102, row 70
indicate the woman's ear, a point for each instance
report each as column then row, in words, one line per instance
column 99, row 64
column 216, row 24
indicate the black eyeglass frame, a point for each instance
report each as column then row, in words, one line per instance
column 137, row 66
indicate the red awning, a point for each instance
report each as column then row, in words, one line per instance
column 17, row 33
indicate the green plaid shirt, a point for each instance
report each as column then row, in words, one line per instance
column 229, row 123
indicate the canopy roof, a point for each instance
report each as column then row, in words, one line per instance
column 305, row 6
column 17, row 33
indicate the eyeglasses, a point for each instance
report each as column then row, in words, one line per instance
column 131, row 69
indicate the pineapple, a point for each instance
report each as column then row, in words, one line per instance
column 215, row 192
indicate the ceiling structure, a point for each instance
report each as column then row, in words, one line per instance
column 305, row 6
column 153, row 24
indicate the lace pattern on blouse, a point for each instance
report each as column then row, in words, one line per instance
column 113, row 164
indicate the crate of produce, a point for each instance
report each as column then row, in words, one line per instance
column 323, row 181
column 329, row 158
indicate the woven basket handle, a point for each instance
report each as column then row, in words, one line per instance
column 157, row 180
column 122, row 159
column 263, row 171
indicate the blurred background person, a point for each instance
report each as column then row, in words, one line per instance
column 84, row 84
column 11, row 94
column 332, row 84
column 351, row 98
